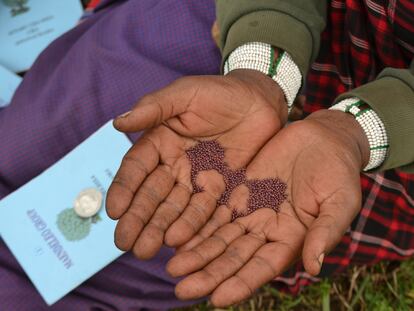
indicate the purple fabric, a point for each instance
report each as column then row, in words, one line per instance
column 88, row 76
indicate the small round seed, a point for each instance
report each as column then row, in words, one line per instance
column 264, row 193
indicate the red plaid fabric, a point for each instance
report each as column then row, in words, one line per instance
column 363, row 37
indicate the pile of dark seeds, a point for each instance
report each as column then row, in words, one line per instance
column 209, row 155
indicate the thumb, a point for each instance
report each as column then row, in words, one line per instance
column 157, row 107
column 325, row 233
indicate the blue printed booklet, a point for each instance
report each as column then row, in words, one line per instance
column 8, row 85
column 28, row 26
column 58, row 249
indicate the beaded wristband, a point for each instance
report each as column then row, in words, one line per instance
column 262, row 57
column 373, row 127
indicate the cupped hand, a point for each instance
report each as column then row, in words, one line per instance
column 151, row 194
column 319, row 159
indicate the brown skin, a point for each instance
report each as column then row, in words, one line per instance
column 320, row 159
column 151, row 194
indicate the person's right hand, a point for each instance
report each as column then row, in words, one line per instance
column 151, row 194
column 319, row 159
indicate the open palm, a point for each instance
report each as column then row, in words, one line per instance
column 321, row 168
column 151, row 194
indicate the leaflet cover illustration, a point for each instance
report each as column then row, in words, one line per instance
column 40, row 222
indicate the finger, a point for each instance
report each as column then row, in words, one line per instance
column 193, row 218
column 151, row 193
column 151, row 239
column 198, row 211
column 205, row 281
column 326, row 232
column 157, row 107
column 138, row 162
column 267, row 263
column 221, row 216
column 195, row 259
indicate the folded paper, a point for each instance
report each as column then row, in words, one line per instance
column 58, row 249
column 28, row 26
column 9, row 82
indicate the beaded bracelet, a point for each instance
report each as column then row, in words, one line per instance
column 266, row 59
column 373, row 127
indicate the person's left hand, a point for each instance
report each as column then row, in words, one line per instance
column 320, row 159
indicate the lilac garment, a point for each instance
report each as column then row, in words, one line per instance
column 88, row 76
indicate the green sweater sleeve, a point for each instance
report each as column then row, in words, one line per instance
column 295, row 26
column 391, row 96
column 292, row 25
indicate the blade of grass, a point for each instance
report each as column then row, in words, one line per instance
column 341, row 297
column 326, row 298
column 359, row 293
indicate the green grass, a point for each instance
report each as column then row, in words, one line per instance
column 383, row 287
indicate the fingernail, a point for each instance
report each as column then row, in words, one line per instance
column 124, row 115
column 320, row 259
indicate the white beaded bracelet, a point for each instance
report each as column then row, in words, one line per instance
column 373, row 127
column 261, row 57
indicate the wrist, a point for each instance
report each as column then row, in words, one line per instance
column 273, row 62
column 348, row 130
column 264, row 88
